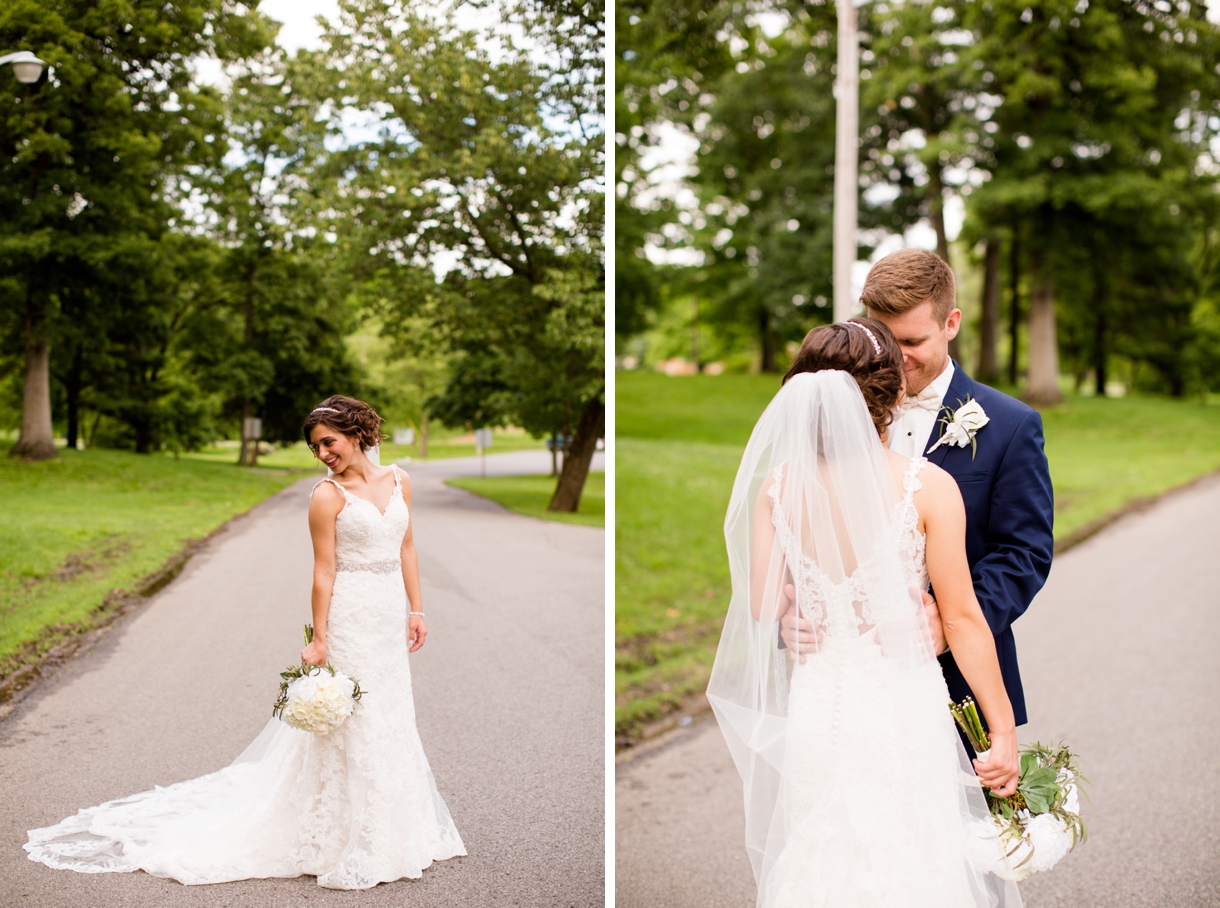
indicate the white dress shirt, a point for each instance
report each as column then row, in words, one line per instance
column 913, row 424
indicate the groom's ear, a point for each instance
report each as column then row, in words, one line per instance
column 954, row 323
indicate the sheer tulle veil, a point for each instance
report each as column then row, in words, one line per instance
column 814, row 507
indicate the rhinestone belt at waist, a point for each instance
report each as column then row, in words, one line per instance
column 390, row 566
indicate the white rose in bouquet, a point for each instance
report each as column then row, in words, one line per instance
column 319, row 702
column 1049, row 838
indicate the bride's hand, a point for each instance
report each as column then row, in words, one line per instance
column 416, row 632
column 315, row 653
column 1002, row 770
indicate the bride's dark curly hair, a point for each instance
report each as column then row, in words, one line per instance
column 351, row 417
column 847, row 346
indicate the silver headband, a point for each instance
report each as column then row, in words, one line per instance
column 871, row 336
column 333, row 410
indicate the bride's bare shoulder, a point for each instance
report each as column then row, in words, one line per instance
column 938, row 490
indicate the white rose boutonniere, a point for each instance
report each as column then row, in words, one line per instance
column 960, row 426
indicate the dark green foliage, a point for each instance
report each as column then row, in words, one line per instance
column 1081, row 129
column 500, row 160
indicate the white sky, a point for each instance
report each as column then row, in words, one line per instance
column 300, row 21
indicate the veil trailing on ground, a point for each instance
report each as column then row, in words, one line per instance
column 816, row 514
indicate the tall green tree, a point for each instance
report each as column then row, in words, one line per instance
column 489, row 165
column 272, row 343
column 669, row 55
column 1102, row 111
column 86, row 153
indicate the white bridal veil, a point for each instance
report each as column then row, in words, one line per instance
column 816, row 509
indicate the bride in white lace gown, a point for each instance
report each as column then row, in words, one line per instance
column 858, row 793
column 354, row 808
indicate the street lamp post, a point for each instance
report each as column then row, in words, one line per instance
column 847, row 104
column 36, row 441
column 26, row 67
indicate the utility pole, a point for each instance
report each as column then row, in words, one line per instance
column 847, row 128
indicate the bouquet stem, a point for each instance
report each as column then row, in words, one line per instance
column 971, row 724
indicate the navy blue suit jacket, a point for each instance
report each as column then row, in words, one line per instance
column 1010, row 511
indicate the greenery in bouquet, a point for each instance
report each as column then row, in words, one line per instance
column 1041, row 821
column 329, row 717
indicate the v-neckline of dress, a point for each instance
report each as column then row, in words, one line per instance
column 373, row 504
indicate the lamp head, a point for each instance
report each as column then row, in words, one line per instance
column 26, row 67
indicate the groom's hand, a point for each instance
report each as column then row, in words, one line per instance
column 798, row 633
column 935, row 628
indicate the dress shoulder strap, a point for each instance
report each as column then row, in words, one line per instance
column 333, row 482
column 910, row 479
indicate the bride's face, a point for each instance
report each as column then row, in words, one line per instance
column 333, row 448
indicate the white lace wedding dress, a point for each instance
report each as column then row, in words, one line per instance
column 872, row 766
column 354, row 808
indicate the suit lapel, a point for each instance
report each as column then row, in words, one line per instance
column 961, row 388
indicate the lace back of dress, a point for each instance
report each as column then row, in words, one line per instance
column 852, row 607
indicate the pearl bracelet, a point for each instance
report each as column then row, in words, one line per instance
column 417, row 614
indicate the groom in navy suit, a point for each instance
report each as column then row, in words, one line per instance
column 1003, row 477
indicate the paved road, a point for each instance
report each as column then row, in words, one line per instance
column 509, row 693
column 1119, row 655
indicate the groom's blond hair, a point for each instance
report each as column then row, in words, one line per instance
column 905, row 279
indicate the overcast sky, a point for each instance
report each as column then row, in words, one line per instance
column 300, row 21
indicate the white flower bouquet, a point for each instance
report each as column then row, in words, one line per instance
column 316, row 698
column 1041, row 822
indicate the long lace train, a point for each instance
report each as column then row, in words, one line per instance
column 354, row 808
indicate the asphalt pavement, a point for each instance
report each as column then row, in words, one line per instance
column 509, row 692
column 1119, row 658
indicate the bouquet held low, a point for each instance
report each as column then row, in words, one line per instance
column 316, row 698
column 1040, row 823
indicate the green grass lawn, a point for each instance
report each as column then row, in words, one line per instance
column 529, row 495
column 299, row 457
column 90, row 522
column 678, row 446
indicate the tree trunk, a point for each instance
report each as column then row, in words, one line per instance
column 766, row 341
column 1042, row 386
column 694, row 333
column 1014, row 314
column 143, row 435
column 241, row 454
column 36, row 441
column 246, row 457
column 1100, row 353
column 74, row 386
column 576, row 462
column 554, row 454
column 989, row 323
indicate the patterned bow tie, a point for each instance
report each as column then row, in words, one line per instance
column 927, row 399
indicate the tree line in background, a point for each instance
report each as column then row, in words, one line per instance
column 177, row 257
column 1079, row 136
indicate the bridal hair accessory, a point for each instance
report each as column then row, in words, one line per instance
column 871, row 336
column 961, row 425
column 316, row 698
column 1039, row 824
column 325, row 410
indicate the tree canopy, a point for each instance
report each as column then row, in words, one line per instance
column 1075, row 137
column 184, row 257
